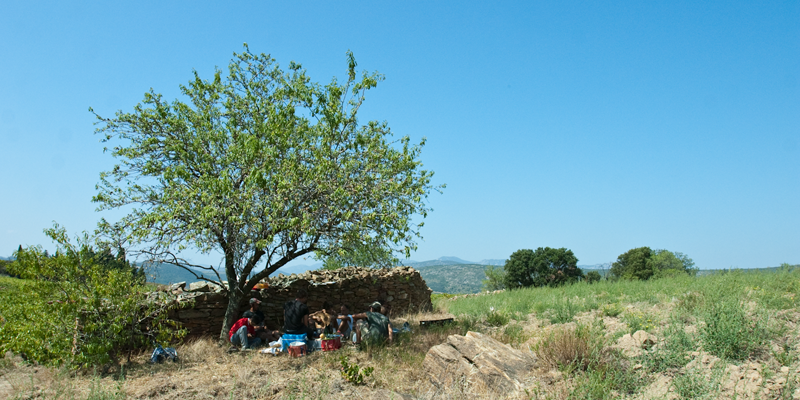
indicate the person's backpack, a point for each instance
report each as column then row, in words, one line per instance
column 161, row 354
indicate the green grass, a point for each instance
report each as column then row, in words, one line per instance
column 772, row 291
column 733, row 315
column 730, row 332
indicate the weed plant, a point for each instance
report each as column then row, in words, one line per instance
column 672, row 353
column 599, row 372
column 612, row 310
column 564, row 310
column 514, row 334
column 639, row 321
column 495, row 318
column 729, row 333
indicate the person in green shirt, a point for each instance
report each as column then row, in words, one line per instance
column 372, row 326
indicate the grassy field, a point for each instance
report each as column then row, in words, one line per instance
column 730, row 335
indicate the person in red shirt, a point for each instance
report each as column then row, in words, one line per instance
column 243, row 333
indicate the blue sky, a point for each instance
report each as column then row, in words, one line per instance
column 596, row 126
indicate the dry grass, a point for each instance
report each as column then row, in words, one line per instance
column 571, row 347
column 206, row 371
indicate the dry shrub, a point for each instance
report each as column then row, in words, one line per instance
column 571, row 347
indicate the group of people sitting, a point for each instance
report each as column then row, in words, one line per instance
column 371, row 326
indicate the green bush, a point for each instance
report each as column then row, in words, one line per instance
column 729, row 333
column 78, row 308
column 563, row 311
column 495, row 318
column 353, row 373
column 592, row 276
column 612, row 310
column 543, row 267
column 495, row 278
column 639, row 321
column 642, row 263
column 672, row 354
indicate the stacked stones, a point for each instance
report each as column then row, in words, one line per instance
column 401, row 287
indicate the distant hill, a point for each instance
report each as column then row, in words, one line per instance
column 441, row 261
column 458, row 278
column 492, row 262
column 166, row 274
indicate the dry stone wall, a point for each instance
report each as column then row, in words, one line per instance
column 402, row 288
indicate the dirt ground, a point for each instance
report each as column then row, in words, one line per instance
column 206, row 371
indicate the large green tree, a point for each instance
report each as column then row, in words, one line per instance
column 543, row 267
column 644, row 263
column 263, row 166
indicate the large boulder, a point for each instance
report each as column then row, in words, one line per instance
column 478, row 362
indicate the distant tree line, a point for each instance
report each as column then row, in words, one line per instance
column 547, row 266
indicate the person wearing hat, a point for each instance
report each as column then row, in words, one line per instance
column 262, row 331
column 372, row 326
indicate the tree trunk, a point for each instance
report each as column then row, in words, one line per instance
column 231, row 313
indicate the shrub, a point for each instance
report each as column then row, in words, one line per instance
column 638, row 321
column 514, row 334
column 643, row 263
column 563, row 311
column 495, row 278
column 353, row 373
column 672, row 354
column 78, row 308
column 569, row 348
column 612, row 310
column 592, row 276
column 729, row 333
column 496, row 318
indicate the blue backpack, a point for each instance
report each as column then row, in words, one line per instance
column 160, row 354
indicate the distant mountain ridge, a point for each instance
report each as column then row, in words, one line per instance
column 448, row 260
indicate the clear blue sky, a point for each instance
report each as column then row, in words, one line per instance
column 596, row 126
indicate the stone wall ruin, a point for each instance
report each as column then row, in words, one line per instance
column 403, row 288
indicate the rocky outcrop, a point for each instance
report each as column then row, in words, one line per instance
column 478, row 362
column 632, row 345
column 203, row 304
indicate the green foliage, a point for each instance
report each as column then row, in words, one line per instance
column 263, row 166
column 672, row 354
column 544, row 267
column 612, row 310
column 4, row 267
column 514, row 334
column 693, row 384
column 729, row 333
column 495, row 318
column 78, row 306
column 353, row 373
column 632, row 264
column 361, row 255
column 785, row 356
column 457, row 278
column 643, row 263
column 563, row 311
column 495, row 278
column 665, row 263
column 639, row 321
column 592, row 276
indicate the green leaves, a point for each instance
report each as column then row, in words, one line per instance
column 644, row 263
column 262, row 162
column 544, row 267
column 80, row 306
